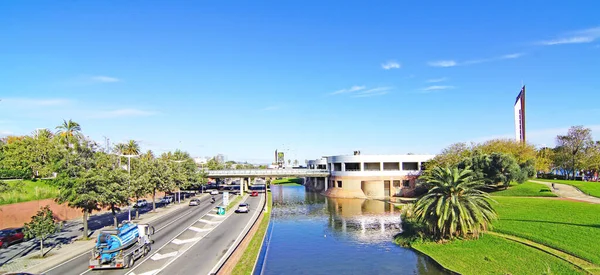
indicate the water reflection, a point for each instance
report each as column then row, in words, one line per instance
column 313, row 234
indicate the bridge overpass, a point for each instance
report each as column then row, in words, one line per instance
column 273, row 173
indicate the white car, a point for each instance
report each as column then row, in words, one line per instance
column 194, row 202
column 214, row 192
column 141, row 203
column 243, row 208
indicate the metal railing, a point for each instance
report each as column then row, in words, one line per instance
column 269, row 172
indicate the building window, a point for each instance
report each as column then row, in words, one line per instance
column 410, row 166
column 391, row 166
column 397, row 183
column 337, row 167
column 406, row 183
column 372, row 166
column 339, row 184
column 352, row 166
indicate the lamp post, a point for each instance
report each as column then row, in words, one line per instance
column 129, row 179
column 178, row 188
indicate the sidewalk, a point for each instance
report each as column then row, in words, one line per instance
column 569, row 192
column 62, row 253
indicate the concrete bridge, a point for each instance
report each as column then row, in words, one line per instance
column 267, row 173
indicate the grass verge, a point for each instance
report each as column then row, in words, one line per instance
column 526, row 189
column 494, row 255
column 288, row 181
column 27, row 190
column 588, row 187
column 233, row 203
column 248, row 259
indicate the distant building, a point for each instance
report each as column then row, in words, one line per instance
column 220, row 158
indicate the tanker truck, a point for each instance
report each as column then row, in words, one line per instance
column 120, row 247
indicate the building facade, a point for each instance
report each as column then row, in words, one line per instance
column 368, row 176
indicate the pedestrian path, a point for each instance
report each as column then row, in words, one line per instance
column 569, row 192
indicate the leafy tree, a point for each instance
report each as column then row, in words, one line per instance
column 112, row 183
column 69, row 132
column 544, row 159
column 454, row 206
column 213, row 164
column 450, row 156
column 41, row 226
column 521, row 152
column 158, row 176
column 591, row 161
column 131, row 148
column 140, row 183
column 573, row 146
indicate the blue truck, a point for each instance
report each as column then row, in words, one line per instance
column 120, row 247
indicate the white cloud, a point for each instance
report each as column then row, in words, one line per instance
column 576, row 37
column 512, row 56
column 271, row 108
column 352, row 89
column 373, row 92
column 390, row 65
column 436, row 80
column 442, row 63
column 104, row 79
column 4, row 133
column 122, row 113
column 33, row 102
column 437, row 88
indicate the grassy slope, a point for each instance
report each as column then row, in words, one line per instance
column 287, row 181
column 572, row 227
column 30, row 191
column 494, row 255
column 588, row 187
column 527, row 189
column 247, row 261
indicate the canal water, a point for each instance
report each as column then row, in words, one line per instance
column 313, row 234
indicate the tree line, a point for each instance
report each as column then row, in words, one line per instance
column 90, row 177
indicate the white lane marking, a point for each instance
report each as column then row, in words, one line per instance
column 216, row 216
column 178, row 241
column 209, row 222
column 167, row 243
column 237, row 240
column 193, row 228
column 151, row 272
column 85, row 272
column 157, row 256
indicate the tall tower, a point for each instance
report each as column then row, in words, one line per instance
column 520, row 116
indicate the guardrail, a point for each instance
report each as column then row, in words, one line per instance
column 269, row 172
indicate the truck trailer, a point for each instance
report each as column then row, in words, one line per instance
column 120, row 247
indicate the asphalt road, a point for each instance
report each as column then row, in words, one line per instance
column 204, row 255
column 166, row 227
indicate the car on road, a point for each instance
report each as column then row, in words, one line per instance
column 166, row 200
column 141, row 203
column 243, row 208
column 11, row 236
column 214, row 192
column 254, row 194
column 194, row 202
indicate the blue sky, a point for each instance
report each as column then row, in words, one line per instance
column 244, row 78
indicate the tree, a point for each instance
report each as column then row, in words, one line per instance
column 591, row 161
column 41, row 226
column 140, row 183
column 573, row 145
column 296, row 162
column 454, row 206
column 82, row 193
column 112, row 183
column 451, row 156
column 544, row 159
column 131, row 148
column 213, row 164
column 68, row 132
column 521, row 152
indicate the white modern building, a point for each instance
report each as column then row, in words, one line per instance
column 368, row 176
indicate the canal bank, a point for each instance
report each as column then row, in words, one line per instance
column 314, row 234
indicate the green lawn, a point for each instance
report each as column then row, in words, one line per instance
column 494, row 255
column 527, row 189
column 27, row 190
column 572, row 227
column 233, row 203
column 247, row 261
column 588, row 187
column 288, row 181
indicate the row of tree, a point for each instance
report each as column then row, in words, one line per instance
column 90, row 177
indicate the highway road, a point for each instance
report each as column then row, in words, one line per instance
column 166, row 227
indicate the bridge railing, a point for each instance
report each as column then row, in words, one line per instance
column 267, row 172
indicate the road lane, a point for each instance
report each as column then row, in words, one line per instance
column 166, row 228
column 203, row 256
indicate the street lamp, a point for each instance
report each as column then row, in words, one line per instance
column 129, row 179
column 178, row 188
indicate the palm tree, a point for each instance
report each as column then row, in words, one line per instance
column 131, row 148
column 43, row 133
column 67, row 131
column 149, row 155
column 454, row 206
column 119, row 149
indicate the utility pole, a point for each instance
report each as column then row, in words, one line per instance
column 129, row 180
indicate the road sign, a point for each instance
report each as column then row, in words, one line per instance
column 225, row 198
column 221, row 210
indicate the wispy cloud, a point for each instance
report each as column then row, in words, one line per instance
column 436, row 88
column 128, row 112
column 33, row 102
column 442, row 63
column 104, row 79
column 452, row 63
column 352, row 89
column 575, row 37
column 390, row 65
column 436, row 80
column 271, row 108
column 373, row 92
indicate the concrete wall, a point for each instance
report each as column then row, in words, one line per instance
column 373, row 188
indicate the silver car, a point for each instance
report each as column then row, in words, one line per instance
column 194, row 202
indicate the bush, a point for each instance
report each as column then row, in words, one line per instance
column 15, row 174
